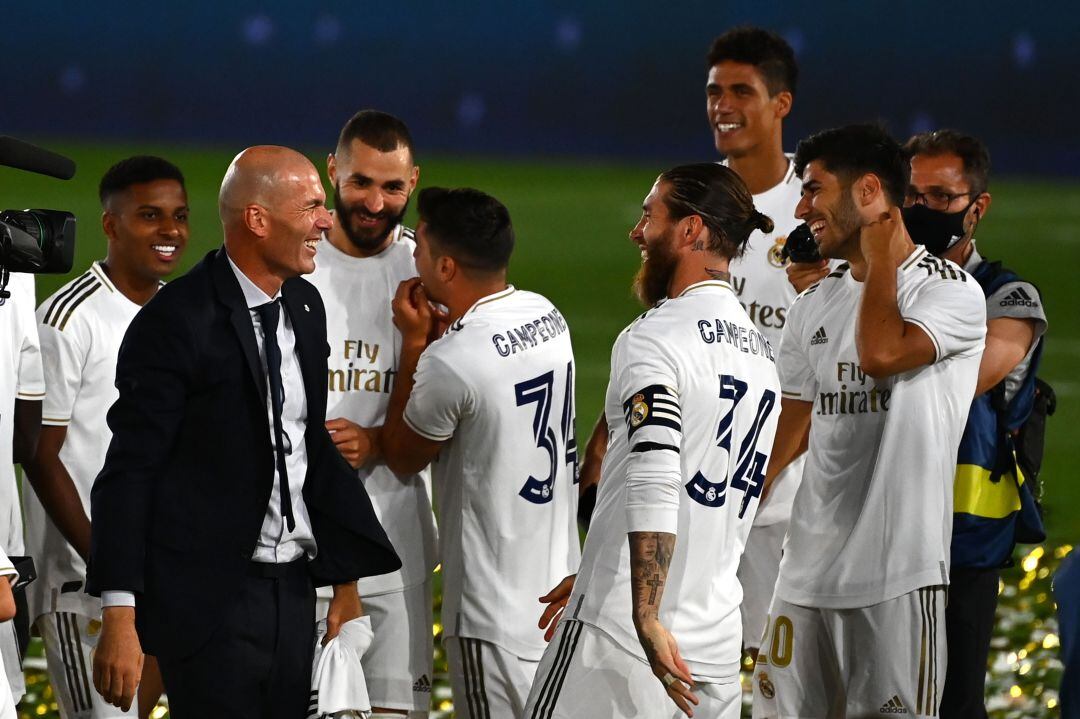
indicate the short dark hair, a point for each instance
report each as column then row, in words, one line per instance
column 468, row 225
column 971, row 151
column 376, row 129
column 718, row 196
column 136, row 170
column 855, row 150
column 765, row 50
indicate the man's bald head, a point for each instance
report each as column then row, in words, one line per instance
column 260, row 175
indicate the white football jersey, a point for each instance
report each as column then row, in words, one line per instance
column 81, row 326
column 363, row 362
column 498, row 388
column 873, row 516
column 693, row 387
column 20, row 378
column 760, row 280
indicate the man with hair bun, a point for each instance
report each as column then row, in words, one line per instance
column 651, row 626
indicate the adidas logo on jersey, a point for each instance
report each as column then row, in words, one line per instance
column 893, row 706
column 1019, row 298
column 819, row 337
column 423, row 684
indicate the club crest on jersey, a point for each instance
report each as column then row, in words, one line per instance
column 776, row 252
column 653, row 406
column 767, row 689
column 705, row 492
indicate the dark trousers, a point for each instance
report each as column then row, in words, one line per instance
column 969, row 623
column 258, row 663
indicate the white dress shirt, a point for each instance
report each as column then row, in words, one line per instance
column 276, row 543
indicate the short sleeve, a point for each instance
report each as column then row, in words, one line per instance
column 1018, row 300
column 647, row 385
column 438, row 399
column 952, row 312
column 63, row 358
column 797, row 380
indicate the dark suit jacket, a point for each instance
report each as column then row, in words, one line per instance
column 177, row 509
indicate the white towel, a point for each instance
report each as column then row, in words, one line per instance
column 337, row 678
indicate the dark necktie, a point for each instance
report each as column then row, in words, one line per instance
column 269, row 314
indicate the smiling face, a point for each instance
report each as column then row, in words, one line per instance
column 147, row 228
column 742, row 115
column 297, row 220
column 654, row 234
column 829, row 209
column 371, row 192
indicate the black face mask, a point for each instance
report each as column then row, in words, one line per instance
column 937, row 231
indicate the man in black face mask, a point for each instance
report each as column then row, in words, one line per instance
column 946, row 200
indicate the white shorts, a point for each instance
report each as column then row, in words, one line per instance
column 398, row 666
column 758, row 569
column 885, row 659
column 70, row 640
column 487, row 680
column 585, row 674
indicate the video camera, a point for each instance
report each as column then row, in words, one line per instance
column 801, row 246
column 35, row 241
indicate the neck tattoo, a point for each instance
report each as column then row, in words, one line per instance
column 722, row 275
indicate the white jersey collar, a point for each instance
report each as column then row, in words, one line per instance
column 491, row 298
column 707, row 283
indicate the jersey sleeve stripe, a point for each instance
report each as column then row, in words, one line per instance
column 30, row 395
column 62, row 297
column 56, row 421
column 75, row 304
column 423, row 433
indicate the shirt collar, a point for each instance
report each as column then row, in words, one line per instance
column 723, row 284
column 491, row 298
column 253, row 296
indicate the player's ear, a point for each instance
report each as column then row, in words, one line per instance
column 782, row 102
column 415, row 179
column 446, row 268
column 867, row 189
column 108, row 224
column 331, row 168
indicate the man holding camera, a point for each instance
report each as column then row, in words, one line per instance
column 145, row 220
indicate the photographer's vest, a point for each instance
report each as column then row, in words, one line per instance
column 994, row 507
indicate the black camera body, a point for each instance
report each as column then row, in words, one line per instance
column 35, row 241
column 801, row 246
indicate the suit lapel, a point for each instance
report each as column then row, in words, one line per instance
column 231, row 296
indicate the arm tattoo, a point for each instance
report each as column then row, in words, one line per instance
column 650, row 557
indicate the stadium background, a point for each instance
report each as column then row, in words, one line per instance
column 566, row 112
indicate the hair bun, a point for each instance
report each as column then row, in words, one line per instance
column 762, row 222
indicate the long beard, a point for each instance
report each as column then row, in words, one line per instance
column 365, row 240
column 654, row 277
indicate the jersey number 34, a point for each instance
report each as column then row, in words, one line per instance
column 749, row 474
column 540, row 391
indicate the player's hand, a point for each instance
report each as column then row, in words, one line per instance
column 344, row 607
column 667, row 664
column 118, row 659
column 883, row 239
column 412, row 312
column 556, row 601
column 803, row 274
column 358, row 445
